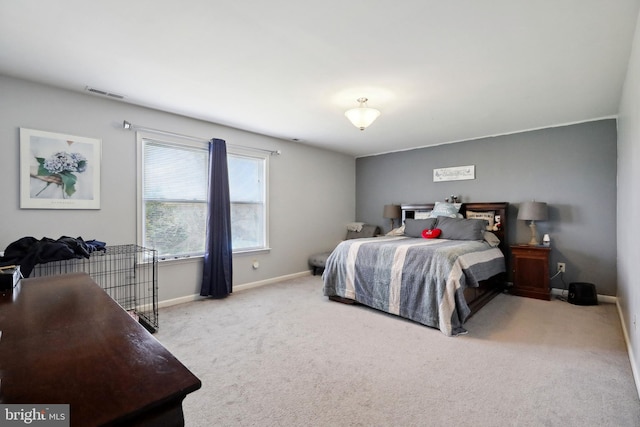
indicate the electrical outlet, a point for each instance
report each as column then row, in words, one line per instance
column 561, row 267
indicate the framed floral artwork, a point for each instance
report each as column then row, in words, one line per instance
column 59, row 171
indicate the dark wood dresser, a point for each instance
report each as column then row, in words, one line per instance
column 65, row 341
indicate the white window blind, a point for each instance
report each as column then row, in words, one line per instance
column 175, row 198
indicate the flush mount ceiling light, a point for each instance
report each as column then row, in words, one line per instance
column 362, row 116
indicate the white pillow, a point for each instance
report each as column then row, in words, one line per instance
column 491, row 239
column 446, row 209
column 396, row 231
column 487, row 216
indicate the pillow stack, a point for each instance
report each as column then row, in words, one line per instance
column 414, row 227
column 450, row 228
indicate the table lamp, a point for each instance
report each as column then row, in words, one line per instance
column 391, row 212
column 533, row 211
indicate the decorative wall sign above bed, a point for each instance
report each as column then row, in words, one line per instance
column 457, row 173
column 59, row 171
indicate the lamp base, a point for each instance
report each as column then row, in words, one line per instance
column 534, row 235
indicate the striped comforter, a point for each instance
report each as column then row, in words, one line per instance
column 419, row 279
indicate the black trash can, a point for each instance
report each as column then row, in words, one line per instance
column 581, row 293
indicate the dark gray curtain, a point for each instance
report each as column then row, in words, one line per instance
column 217, row 273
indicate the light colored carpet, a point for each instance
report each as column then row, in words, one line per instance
column 283, row 355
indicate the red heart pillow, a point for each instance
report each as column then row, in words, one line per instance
column 431, row 234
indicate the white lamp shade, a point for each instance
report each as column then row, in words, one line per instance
column 362, row 117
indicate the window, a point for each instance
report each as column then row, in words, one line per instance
column 173, row 203
column 247, row 191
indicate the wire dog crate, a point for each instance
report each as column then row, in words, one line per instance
column 128, row 273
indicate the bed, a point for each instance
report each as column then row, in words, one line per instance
column 438, row 281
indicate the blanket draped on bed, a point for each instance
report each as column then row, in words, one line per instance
column 419, row 279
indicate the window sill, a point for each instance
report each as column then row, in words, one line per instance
column 180, row 260
column 198, row 258
column 252, row 251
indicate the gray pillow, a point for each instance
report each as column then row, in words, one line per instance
column 368, row 230
column 414, row 227
column 461, row 229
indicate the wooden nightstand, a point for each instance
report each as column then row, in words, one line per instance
column 530, row 268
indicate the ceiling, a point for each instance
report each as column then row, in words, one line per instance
column 439, row 71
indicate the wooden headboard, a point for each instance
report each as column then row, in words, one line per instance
column 499, row 208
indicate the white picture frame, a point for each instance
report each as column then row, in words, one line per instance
column 59, row 171
column 456, row 173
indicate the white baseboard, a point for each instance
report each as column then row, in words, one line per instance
column 270, row 281
column 601, row 298
column 634, row 369
column 180, row 300
column 238, row 288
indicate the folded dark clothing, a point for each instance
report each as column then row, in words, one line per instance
column 96, row 245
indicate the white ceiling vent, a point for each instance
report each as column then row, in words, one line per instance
column 103, row 92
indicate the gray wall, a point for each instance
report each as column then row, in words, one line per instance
column 629, row 206
column 572, row 168
column 304, row 180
